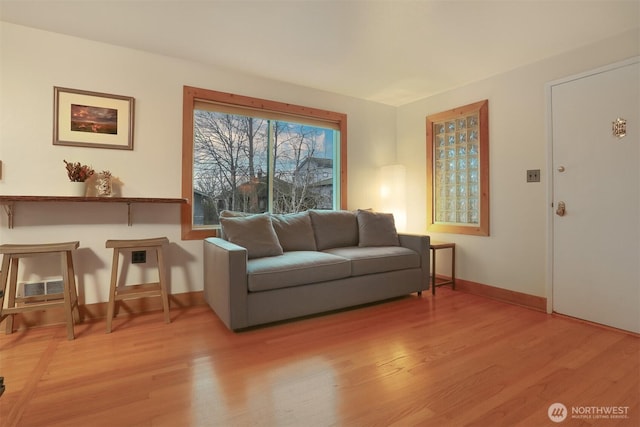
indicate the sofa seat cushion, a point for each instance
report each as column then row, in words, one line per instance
column 295, row 268
column 377, row 259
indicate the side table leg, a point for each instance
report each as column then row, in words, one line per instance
column 453, row 268
column 433, row 274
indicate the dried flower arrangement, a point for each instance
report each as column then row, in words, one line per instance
column 78, row 172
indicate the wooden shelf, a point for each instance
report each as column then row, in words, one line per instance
column 10, row 201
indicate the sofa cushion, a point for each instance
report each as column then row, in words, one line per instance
column 234, row 214
column 231, row 214
column 376, row 229
column 255, row 233
column 377, row 259
column 294, row 231
column 295, row 268
column 334, row 229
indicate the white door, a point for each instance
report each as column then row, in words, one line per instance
column 596, row 243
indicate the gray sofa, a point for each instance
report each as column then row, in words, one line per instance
column 268, row 268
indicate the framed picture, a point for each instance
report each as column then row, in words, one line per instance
column 92, row 119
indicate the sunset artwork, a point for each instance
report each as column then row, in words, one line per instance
column 85, row 118
column 92, row 119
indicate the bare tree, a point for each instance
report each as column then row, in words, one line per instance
column 252, row 127
column 231, row 152
column 298, row 146
column 224, row 150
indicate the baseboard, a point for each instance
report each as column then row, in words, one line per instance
column 97, row 311
column 505, row 295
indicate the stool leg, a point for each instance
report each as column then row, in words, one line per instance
column 163, row 284
column 11, row 297
column 75, row 305
column 64, row 264
column 4, row 276
column 112, row 288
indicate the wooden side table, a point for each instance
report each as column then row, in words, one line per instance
column 434, row 248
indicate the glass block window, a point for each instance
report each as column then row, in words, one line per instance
column 457, row 170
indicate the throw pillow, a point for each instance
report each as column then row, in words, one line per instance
column 334, row 229
column 255, row 233
column 231, row 214
column 294, row 231
column 376, row 229
column 234, row 214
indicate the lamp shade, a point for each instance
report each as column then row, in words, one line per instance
column 393, row 193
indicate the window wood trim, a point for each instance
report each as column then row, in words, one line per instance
column 192, row 94
column 481, row 229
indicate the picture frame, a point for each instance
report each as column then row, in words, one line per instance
column 92, row 119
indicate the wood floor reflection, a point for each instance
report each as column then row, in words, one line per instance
column 450, row 360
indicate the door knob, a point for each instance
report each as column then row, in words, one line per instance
column 560, row 168
column 560, row 211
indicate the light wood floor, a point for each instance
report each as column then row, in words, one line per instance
column 450, row 360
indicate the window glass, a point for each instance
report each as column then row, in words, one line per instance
column 255, row 160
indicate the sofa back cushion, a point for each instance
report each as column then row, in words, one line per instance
column 376, row 229
column 294, row 231
column 255, row 233
column 334, row 229
column 231, row 214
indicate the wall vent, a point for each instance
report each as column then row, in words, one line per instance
column 31, row 289
column 34, row 289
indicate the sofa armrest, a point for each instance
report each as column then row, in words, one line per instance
column 419, row 243
column 225, row 281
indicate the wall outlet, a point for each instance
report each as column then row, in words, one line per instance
column 533, row 175
column 138, row 257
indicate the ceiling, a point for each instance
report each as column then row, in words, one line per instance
column 392, row 52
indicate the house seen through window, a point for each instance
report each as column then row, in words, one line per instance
column 277, row 158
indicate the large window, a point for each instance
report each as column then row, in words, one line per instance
column 254, row 155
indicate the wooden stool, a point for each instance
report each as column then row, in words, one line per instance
column 157, row 289
column 434, row 247
column 69, row 297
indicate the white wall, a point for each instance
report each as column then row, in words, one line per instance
column 32, row 62
column 514, row 256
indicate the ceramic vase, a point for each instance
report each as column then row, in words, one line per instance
column 77, row 189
